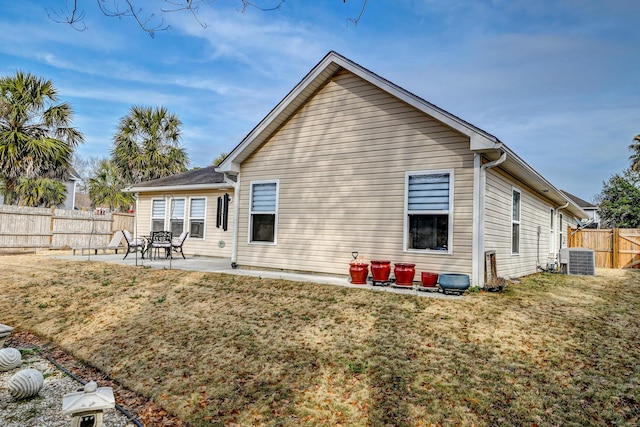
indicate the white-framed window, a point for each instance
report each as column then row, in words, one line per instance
column 561, row 242
column 176, row 216
column 197, row 209
column 263, row 211
column 515, row 221
column 551, row 228
column 157, row 214
column 428, row 211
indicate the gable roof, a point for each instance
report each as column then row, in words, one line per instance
column 480, row 141
column 195, row 179
column 580, row 202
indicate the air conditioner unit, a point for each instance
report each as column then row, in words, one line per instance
column 578, row 261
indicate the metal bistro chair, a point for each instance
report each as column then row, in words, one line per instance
column 133, row 245
column 177, row 242
column 160, row 240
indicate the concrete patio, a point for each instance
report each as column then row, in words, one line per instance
column 223, row 265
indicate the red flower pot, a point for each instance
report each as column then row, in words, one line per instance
column 380, row 270
column 404, row 274
column 429, row 280
column 358, row 272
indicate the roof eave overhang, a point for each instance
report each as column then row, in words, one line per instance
column 193, row 187
column 317, row 78
column 519, row 169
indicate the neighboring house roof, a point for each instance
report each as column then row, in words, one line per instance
column 196, row 179
column 480, row 141
column 580, row 202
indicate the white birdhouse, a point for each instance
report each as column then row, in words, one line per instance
column 86, row 407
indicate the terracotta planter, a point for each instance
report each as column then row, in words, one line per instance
column 429, row 280
column 380, row 270
column 358, row 272
column 404, row 274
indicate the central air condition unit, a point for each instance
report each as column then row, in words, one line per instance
column 578, row 261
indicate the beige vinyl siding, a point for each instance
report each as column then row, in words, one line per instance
column 535, row 213
column 207, row 246
column 340, row 162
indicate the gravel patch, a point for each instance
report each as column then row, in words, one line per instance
column 45, row 408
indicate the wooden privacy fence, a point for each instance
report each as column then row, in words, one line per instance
column 24, row 227
column 613, row 248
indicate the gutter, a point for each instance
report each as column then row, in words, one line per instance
column 480, row 178
column 220, row 186
column 236, row 215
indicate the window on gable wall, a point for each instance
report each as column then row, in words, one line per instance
column 263, row 212
column 515, row 222
column 196, row 218
column 429, row 197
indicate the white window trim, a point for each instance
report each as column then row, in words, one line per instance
column 164, row 217
column 250, row 219
column 405, row 232
column 171, row 213
column 560, row 231
column 519, row 221
column 204, row 218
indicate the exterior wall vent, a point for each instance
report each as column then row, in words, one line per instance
column 578, row 261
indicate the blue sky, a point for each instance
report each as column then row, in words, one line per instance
column 558, row 81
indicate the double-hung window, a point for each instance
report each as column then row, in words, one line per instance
column 263, row 211
column 157, row 214
column 515, row 221
column 196, row 218
column 429, row 210
column 176, row 216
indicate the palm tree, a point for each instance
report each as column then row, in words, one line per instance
column 635, row 155
column 105, row 188
column 147, row 145
column 36, row 192
column 36, row 139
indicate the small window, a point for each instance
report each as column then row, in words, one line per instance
column 263, row 211
column 157, row 214
column 561, row 242
column 429, row 198
column 177, row 216
column 515, row 222
column 196, row 218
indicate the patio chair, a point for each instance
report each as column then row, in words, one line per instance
column 133, row 245
column 177, row 242
column 160, row 240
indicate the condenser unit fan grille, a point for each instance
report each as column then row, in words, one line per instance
column 578, row 261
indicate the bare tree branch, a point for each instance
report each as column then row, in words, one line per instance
column 355, row 21
column 151, row 23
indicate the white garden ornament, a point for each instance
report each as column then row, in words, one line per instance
column 10, row 358
column 25, row 383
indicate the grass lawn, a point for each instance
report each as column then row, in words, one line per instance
column 218, row 349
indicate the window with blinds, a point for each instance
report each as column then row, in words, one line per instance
column 429, row 198
column 263, row 211
column 196, row 218
column 176, row 216
column 157, row 214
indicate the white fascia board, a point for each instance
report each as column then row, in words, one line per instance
column 221, row 186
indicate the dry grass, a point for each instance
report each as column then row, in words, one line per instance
column 227, row 350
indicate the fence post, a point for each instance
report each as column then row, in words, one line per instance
column 52, row 226
column 615, row 235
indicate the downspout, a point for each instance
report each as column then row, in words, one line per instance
column 479, row 220
column 236, row 216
